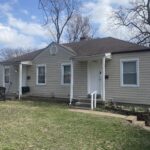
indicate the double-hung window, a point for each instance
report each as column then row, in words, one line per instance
column 7, row 74
column 130, row 72
column 66, row 74
column 41, row 74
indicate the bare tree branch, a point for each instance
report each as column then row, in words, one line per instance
column 57, row 14
column 137, row 19
column 8, row 53
column 78, row 27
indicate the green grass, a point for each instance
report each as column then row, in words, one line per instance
column 49, row 126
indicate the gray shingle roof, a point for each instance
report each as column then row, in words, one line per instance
column 89, row 47
column 26, row 57
column 103, row 45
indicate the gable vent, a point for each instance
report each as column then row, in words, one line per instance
column 53, row 50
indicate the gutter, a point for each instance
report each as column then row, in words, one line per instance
column 133, row 51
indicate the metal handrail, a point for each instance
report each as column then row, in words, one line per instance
column 93, row 99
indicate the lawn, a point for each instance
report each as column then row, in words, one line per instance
column 50, row 126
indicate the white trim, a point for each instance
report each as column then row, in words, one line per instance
column 62, row 73
column 6, row 67
column 103, row 78
column 20, row 80
column 3, row 76
column 26, row 62
column 108, row 56
column 40, row 65
column 88, row 78
column 137, row 71
column 66, row 49
column 72, row 82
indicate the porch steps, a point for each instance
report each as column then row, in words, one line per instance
column 134, row 121
column 82, row 103
column 139, row 123
column 131, row 119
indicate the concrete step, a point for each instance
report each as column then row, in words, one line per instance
column 131, row 119
column 139, row 123
column 81, row 105
column 147, row 128
column 84, row 100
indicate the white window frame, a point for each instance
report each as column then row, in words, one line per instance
column 137, row 71
column 37, row 66
column 62, row 73
column 6, row 67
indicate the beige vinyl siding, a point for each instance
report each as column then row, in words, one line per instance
column 115, row 91
column 80, row 79
column 53, row 85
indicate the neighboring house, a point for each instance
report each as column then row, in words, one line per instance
column 116, row 69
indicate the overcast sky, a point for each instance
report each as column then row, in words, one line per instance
column 21, row 22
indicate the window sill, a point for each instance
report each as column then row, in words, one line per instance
column 132, row 86
column 40, row 84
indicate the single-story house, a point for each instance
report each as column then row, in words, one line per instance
column 115, row 69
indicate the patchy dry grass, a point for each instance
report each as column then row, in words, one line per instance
column 49, row 126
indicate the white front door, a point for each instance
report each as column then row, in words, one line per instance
column 94, row 77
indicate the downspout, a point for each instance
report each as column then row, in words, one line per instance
column 3, row 76
column 72, row 82
column 20, row 80
column 103, row 78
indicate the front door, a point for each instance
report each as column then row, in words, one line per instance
column 94, row 77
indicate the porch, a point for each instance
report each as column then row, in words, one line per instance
column 16, row 76
column 94, row 90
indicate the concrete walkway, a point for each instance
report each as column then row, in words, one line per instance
column 98, row 113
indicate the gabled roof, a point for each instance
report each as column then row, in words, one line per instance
column 103, row 45
column 88, row 48
column 26, row 57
